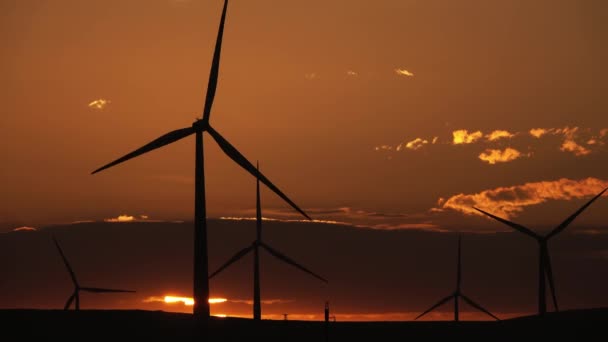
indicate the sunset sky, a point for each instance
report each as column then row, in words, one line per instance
column 378, row 115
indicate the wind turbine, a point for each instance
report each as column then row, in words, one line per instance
column 77, row 288
column 255, row 245
column 201, row 281
column 457, row 294
column 544, row 260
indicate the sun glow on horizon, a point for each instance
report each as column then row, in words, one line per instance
column 188, row 301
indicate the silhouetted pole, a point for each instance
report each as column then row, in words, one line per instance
column 201, row 281
column 326, row 321
column 285, row 317
column 257, row 301
column 456, row 307
column 542, row 303
column 77, row 304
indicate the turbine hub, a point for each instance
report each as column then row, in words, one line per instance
column 200, row 124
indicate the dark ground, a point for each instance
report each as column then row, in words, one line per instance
column 162, row 326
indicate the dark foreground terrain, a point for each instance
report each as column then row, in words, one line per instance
column 162, row 326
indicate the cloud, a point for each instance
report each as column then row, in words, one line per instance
column 121, row 218
column 603, row 132
column 25, row 229
column 507, row 202
column 385, row 148
column 98, row 104
column 348, row 216
column 571, row 146
column 492, row 156
column 351, row 73
column 435, row 140
column 416, row 144
column 263, row 301
column 499, row 134
column 462, row 136
column 537, row 132
column 311, row 76
column 403, row 72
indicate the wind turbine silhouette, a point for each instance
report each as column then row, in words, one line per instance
column 457, row 294
column 255, row 245
column 544, row 260
column 201, row 281
column 77, row 288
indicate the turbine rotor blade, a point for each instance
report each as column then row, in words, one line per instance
column 549, row 272
column 478, row 307
column 284, row 258
column 215, row 67
column 438, row 304
column 459, row 270
column 234, row 259
column 158, row 143
column 569, row 220
column 69, row 302
column 66, row 262
column 515, row 226
column 235, row 155
column 100, row 290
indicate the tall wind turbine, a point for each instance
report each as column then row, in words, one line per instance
column 544, row 260
column 77, row 288
column 201, row 281
column 457, row 294
column 255, row 245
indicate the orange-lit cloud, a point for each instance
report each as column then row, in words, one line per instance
column 499, row 134
column 347, row 216
column 434, row 140
column 98, row 104
column 121, row 218
column 351, row 73
column 603, row 132
column 383, row 148
column 462, row 136
column 571, row 146
column 537, row 132
column 188, row 301
column 507, row 202
column 492, row 156
column 25, row 229
column 403, row 72
column 263, row 301
column 416, row 144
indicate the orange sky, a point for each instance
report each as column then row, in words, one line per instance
column 393, row 114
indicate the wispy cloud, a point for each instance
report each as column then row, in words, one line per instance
column 416, row 144
column 98, row 104
column 351, row 73
column 129, row 218
column 462, row 136
column 403, row 72
column 537, row 132
column 507, row 202
column 499, row 134
column 25, row 229
column 571, row 146
column 492, row 156
column 348, row 216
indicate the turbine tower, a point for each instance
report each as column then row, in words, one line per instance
column 75, row 297
column 458, row 293
column 544, row 260
column 255, row 245
column 201, row 281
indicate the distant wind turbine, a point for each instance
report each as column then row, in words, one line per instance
column 544, row 260
column 457, row 294
column 257, row 303
column 201, row 282
column 77, row 288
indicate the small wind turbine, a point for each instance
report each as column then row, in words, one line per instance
column 457, row 294
column 77, row 288
column 257, row 303
column 544, row 260
column 201, row 281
